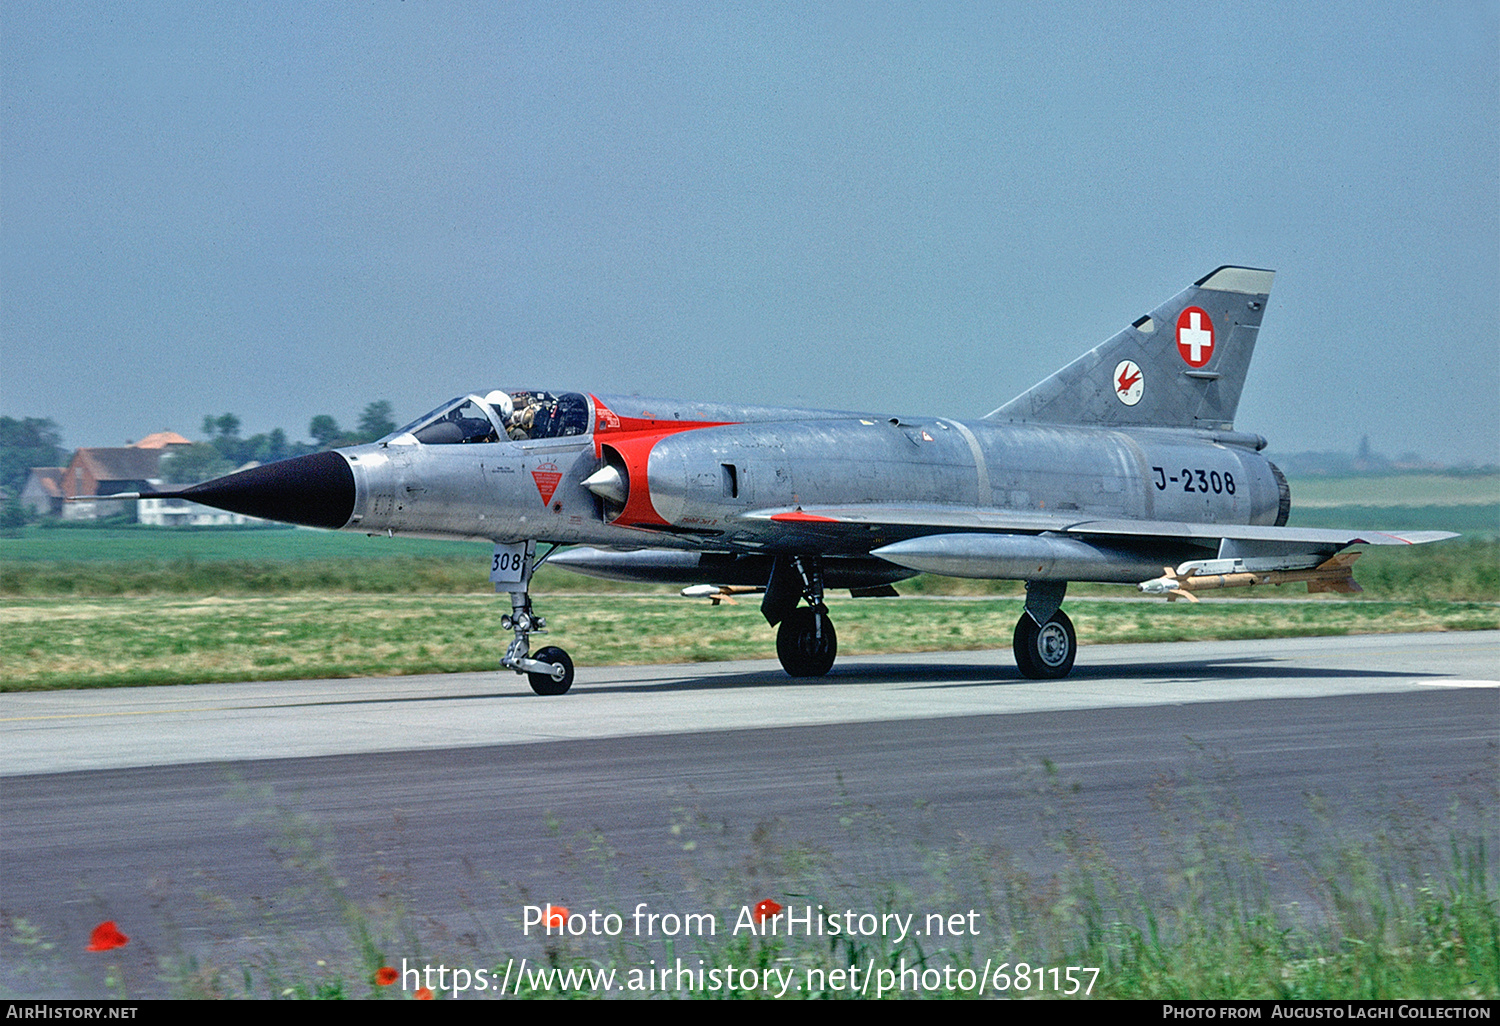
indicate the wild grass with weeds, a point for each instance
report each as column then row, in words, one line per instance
column 1203, row 907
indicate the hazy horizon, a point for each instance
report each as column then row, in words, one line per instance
column 284, row 210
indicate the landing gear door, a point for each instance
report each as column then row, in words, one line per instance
column 508, row 568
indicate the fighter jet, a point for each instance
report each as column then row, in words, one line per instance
column 1123, row 467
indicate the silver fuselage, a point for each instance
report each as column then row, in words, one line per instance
column 701, row 477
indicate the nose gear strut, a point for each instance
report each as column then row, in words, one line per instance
column 550, row 670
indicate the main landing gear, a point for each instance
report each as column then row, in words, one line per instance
column 806, row 642
column 550, row 670
column 1045, row 643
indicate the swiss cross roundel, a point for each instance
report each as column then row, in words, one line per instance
column 1195, row 336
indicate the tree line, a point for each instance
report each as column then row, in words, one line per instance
column 225, row 449
column 26, row 443
column 37, row 442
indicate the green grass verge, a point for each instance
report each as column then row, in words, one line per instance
column 107, row 642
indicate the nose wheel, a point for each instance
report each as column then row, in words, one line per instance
column 550, row 671
column 560, row 679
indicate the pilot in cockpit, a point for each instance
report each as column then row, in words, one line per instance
column 497, row 416
column 519, row 423
column 502, row 405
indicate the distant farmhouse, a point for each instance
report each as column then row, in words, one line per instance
column 110, row 471
column 106, row 472
column 42, row 495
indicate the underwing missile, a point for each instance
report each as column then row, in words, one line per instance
column 717, row 593
column 1335, row 574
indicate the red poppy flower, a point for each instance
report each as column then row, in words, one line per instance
column 765, row 910
column 385, row 976
column 556, row 916
column 423, row 994
column 106, row 937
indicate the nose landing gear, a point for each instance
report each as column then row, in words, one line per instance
column 550, row 670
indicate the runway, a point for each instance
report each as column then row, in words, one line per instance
column 62, row 731
column 203, row 818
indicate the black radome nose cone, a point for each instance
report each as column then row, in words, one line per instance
column 315, row 491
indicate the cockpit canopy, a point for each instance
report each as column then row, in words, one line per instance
column 499, row 416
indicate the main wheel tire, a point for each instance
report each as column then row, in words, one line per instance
column 551, row 683
column 806, row 642
column 1045, row 652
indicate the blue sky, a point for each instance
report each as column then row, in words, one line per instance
column 280, row 210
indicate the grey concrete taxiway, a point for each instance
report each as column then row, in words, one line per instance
column 217, row 820
column 59, row 731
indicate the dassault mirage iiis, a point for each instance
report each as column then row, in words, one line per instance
column 1123, row 467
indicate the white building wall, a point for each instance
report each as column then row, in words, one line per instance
column 182, row 513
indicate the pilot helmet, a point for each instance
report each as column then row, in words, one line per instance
column 500, row 401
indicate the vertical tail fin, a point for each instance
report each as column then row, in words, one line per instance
column 1182, row 365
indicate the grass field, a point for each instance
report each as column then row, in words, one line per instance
column 1397, row 490
column 1468, row 503
column 1474, row 521
column 270, row 544
column 105, row 607
column 69, row 643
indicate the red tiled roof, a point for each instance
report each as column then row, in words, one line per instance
column 160, row 440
